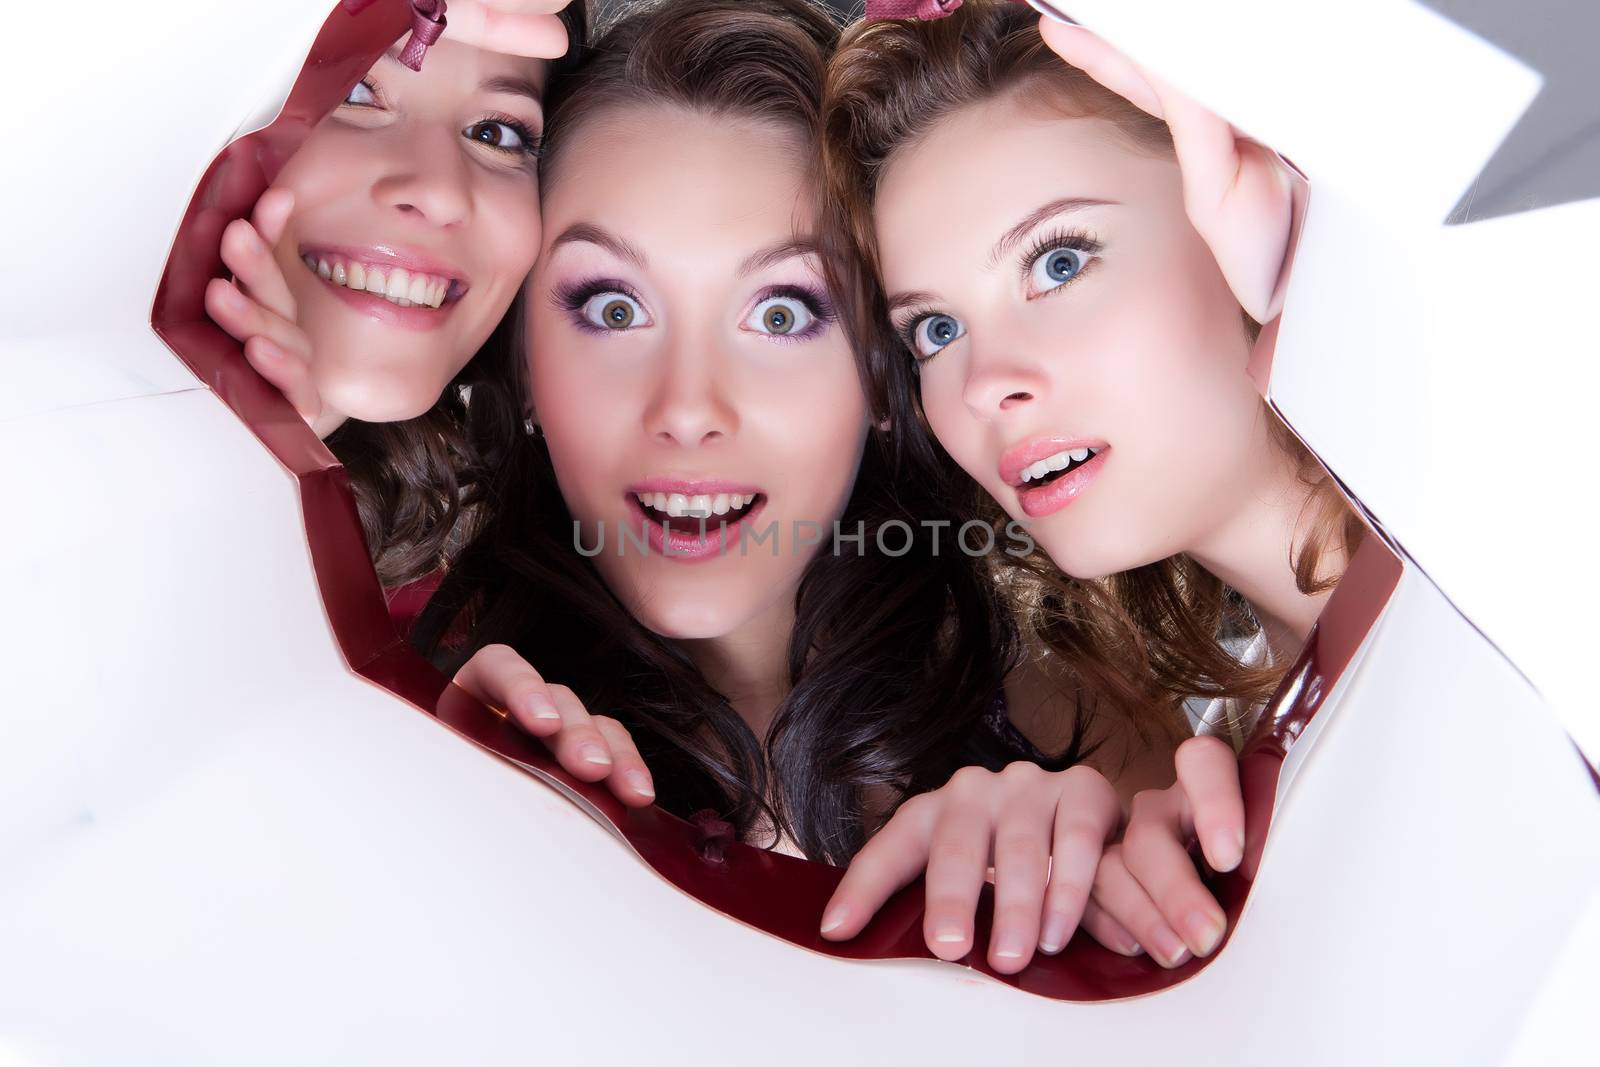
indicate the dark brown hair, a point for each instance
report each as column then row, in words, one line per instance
column 418, row 483
column 1143, row 640
column 892, row 660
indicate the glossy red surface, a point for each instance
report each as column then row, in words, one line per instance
column 778, row 894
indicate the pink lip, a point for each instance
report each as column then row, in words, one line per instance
column 1047, row 499
column 1017, row 457
column 389, row 256
column 691, row 486
column 687, row 547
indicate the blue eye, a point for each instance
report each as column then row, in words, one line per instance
column 931, row 333
column 1055, row 267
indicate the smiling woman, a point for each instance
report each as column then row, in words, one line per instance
column 379, row 264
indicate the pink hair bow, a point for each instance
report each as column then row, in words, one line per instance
column 925, row 10
column 427, row 26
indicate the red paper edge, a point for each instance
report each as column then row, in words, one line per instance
column 777, row 894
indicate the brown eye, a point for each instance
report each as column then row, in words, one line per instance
column 613, row 311
column 617, row 315
column 780, row 316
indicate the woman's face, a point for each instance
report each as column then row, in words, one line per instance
column 686, row 367
column 416, row 219
column 1080, row 354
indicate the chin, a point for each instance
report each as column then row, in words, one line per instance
column 688, row 622
column 1079, row 557
column 369, row 398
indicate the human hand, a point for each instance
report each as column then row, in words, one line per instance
column 591, row 748
column 1042, row 831
column 257, row 309
column 1236, row 191
column 515, row 27
column 1146, row 890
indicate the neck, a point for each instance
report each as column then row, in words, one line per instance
column 1254, row 548
column 750, row 666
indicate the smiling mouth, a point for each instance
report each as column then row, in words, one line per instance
column 399, row 286
column 702, row 514
column 1055, row 466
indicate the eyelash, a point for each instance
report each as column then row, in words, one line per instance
column 821, row 309
column 1078, row 240
column 532, row 146
column 571, row 299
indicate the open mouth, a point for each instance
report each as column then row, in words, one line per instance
column 702, row 515
column 1056, row 466
column 397, row 285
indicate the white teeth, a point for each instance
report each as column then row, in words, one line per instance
column 677, row 505
column 720, row 504
column 659, row 502
column 399, row 284
column 699, row 505
column 418, row 293
column 644, row 498
column 1058, row 462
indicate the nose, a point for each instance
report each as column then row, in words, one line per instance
column 1000, row 380
column 690, row 405
column 428, row 183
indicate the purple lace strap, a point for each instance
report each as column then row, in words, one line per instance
column 926, row 10
column 427, row 24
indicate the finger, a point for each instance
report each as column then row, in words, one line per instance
column 244, row 318
column 1087, row 814
column 538, row 36
column 958, row 866
column 1021, row 871
column 271, row 214
column 289, row 372
column 630, row 780
column 891, row 859
column 579, row 747
column 1092, row 55
column 1108, row 931
column 1119, row 895
column 254, row 270
column 501, row 678
column 1208, row 773
column 1155, row 851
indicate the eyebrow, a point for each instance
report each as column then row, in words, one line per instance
column 1063, row 206
column 917, row 296
column 767, row 257
column 589, row 233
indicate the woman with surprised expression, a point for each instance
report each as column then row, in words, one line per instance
column 388, row 248
column 1078, row 337
column 689, row 375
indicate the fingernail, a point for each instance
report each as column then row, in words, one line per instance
column 1228, row 849
column 641, row 783
column 833, row 920
column 230, row 297
column 950, row 935
column 1008, row 947
column 1054, row 937
column 1131, row 949
column 597, row 755
column 1168, row 947
column 545, row 712
column 1205, row 931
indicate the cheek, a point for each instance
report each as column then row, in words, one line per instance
column 509, row 232
column 940, row 385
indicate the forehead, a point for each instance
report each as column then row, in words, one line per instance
column 452, row 69
column 683, row 175
column 984, row 166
